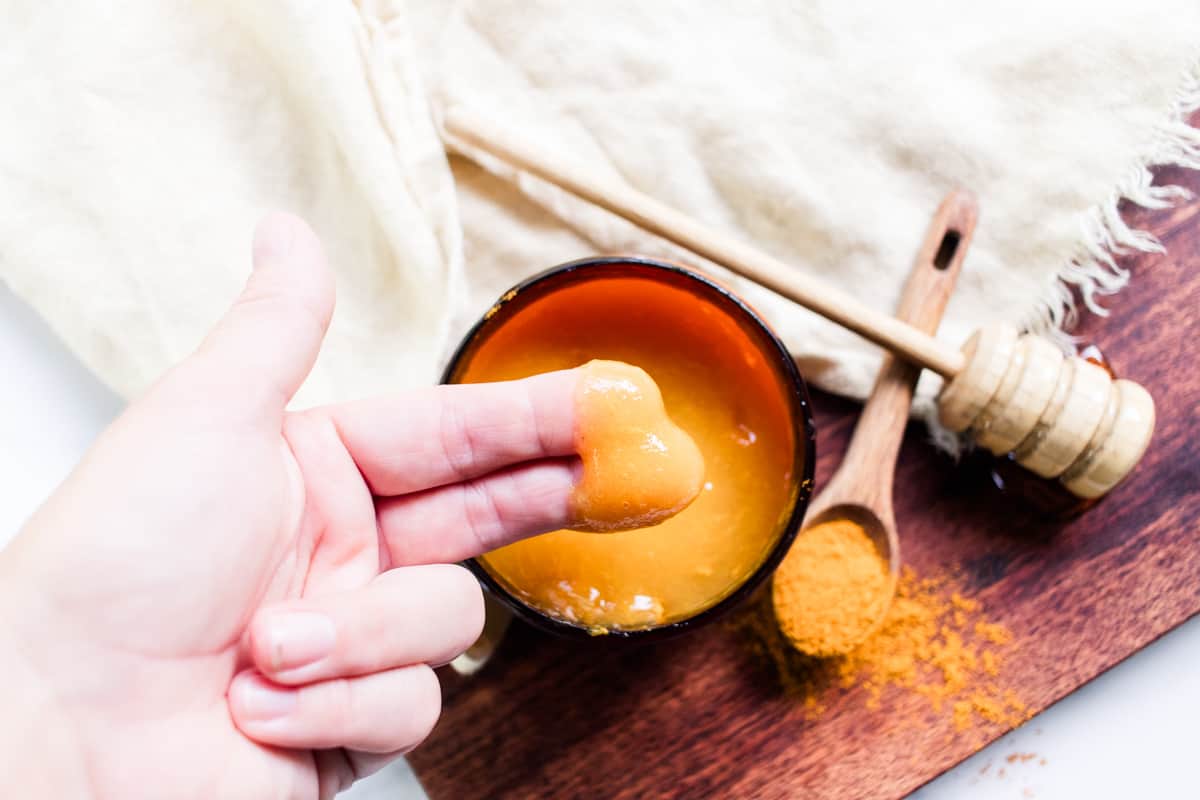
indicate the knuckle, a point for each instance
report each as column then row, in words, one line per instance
column 261, row 293
column 274, row 296
column 458, row 446
column 483, row 516
column 533, row 421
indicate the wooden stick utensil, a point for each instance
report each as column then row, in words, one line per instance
column 1063, row 418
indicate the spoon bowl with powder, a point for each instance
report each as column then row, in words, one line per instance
column 835, row 585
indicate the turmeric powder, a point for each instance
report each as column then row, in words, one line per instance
column 832, row 588
column 933, row 643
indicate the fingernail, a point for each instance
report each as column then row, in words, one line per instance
column 299, row 638
column 263, row 701
column 273, row 238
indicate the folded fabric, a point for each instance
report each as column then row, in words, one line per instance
column 142, row 141
column 826, row 134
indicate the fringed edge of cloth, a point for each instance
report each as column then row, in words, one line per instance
column 1093, row 272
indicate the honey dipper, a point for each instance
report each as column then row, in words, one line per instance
column 861, row 489
column 1061, row 417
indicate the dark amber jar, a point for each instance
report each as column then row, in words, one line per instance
column 725, row 377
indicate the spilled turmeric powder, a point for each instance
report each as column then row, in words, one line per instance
column 832, row 588
column 934, row 644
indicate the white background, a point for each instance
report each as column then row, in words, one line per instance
column 1127, row 734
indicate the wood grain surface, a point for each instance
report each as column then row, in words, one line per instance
column 704, row 716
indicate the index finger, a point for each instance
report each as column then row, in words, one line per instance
column 449, row 434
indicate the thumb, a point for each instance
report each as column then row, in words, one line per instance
column 264, row 346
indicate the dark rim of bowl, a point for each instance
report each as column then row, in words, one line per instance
column 802, row 408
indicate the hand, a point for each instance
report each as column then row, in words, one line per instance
column 227, row 599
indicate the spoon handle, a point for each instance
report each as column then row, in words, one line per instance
column 871, row 457
column 471, row 134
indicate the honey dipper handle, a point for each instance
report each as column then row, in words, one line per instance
column 658, row 218
column 871, row 458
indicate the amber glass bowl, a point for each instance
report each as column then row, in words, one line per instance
column 715, row 301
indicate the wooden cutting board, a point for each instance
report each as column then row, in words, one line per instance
column 703, row 716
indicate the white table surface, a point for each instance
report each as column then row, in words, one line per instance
column 1128, row 734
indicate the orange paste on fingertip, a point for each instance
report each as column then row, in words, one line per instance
column 715, row 384
column 639, row 467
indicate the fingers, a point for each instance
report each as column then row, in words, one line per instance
column 386, row 712
column 338, row 769
column 345, row 671
column 263, row 348
column 413, row 615
column 463, row 520
column 337, row 503
column 447, row 434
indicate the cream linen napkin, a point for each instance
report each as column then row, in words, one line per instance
column 142, row 140
column 826, row 133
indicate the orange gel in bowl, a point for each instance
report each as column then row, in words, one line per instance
column 729, row 390
column 639, row 467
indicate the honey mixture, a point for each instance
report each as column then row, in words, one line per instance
column 718, row 386
column 639, row 467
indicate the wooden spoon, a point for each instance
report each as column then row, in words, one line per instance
column 861, row 489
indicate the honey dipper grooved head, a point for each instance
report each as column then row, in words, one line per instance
column 1109, row 458
column 1069, row 420
column 1061, row 418
column 1014, row 410
column 988, row 353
